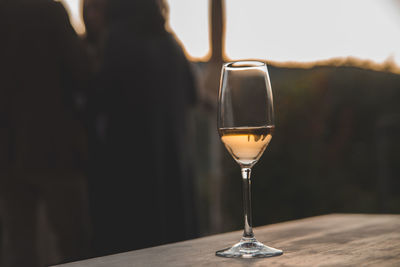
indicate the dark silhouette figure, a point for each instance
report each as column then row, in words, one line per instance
column 140, row 183
column 42, row 144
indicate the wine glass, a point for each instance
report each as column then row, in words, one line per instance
column 246, row 125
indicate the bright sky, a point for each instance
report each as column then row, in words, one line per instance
column 290, row 30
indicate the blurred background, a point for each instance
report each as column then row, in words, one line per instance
column 145, row 100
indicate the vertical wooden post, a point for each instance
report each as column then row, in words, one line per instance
column 217, row 29
column 211, row 82
column 217, row 37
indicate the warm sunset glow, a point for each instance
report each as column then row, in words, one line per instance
column 289, row 30
column 189, row 21
column 74, row 9
column 311, row 30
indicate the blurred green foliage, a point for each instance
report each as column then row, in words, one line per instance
column 335, row 148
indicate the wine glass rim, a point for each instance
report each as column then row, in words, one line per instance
column 245, row 64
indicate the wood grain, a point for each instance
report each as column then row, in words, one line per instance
column 329, row 240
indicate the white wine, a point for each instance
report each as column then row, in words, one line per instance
column 246, row 144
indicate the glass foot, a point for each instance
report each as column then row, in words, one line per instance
column 249, row 248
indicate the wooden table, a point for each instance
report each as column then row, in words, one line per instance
column 329, row 240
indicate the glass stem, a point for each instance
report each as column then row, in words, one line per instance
column 248, row 225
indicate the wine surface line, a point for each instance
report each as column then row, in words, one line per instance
column 246, row 144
